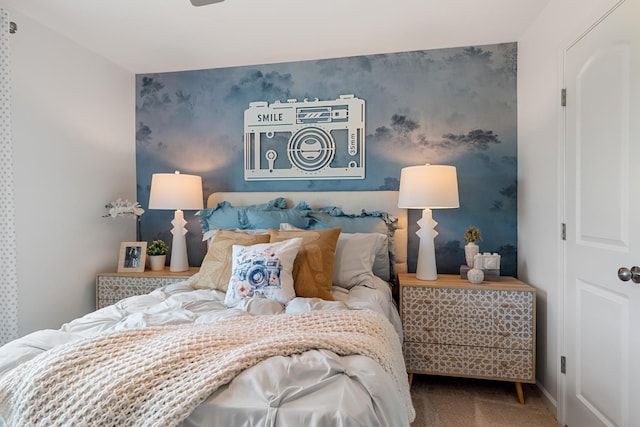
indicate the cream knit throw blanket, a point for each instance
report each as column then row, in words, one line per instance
column 156, row 376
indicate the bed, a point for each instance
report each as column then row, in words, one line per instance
column 256, row 338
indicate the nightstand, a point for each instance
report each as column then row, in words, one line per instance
column 454, row 328
column 112, row 287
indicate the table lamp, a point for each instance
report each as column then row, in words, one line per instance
column 428, row 187
column 176, row 191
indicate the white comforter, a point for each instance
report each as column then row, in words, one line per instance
column 315, row 388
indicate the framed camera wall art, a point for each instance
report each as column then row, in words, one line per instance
column 309, row 139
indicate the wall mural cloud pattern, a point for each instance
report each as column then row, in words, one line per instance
column 453, row 106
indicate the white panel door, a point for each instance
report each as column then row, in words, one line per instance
column 602, row 179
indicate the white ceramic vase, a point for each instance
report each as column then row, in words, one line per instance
column 156, row 262
column 470, row 251
column 475, row 276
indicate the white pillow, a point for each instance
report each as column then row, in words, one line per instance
column 285, row 226
column 263, row 271
column 381, row 266
column 355, row 254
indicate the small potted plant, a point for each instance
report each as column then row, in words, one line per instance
column 471, row 236
column 157, row 252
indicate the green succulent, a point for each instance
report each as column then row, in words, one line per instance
column 157, row 247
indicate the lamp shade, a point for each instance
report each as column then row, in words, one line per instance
column 175, row 191
column 428, row 186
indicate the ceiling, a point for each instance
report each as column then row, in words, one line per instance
column 170, row 35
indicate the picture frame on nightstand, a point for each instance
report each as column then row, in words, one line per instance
column 133, row 256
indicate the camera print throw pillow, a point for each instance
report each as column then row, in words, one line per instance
column 263, row 270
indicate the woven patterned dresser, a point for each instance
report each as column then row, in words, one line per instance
column 112, row 287
column 454, row 328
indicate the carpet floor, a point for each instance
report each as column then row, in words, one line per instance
column 463, row 402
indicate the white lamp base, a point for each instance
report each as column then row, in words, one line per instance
column 426, row 267
column 179, row 258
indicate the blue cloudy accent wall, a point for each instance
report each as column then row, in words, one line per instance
column 453, row 106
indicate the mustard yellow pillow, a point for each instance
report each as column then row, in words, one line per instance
column 313, row 266
column 215, row 270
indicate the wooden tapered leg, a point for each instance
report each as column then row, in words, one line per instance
column 520, row 393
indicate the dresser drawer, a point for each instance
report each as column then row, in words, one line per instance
column 447, row 302
column 111, row 293
column 473, row 303
column 485, row 332
column 113, row 287
column 110, row 290
column 468, row 361
column 448, row 359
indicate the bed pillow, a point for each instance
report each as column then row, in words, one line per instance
column 381, row 262
column 365, row 222
column 215, row 270
column 264, row 270
column 209, row 235
column 355, row 254
column 298, row 216
column 226, row 216
column 314, row 265
column 350, row 223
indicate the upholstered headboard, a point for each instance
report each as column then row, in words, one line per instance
column 348, row 201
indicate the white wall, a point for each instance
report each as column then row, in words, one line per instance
column 540, row 198
column 74, row 151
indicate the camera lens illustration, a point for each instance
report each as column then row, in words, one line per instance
column 257, row 276
column 261, row 273
column 311, row 149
